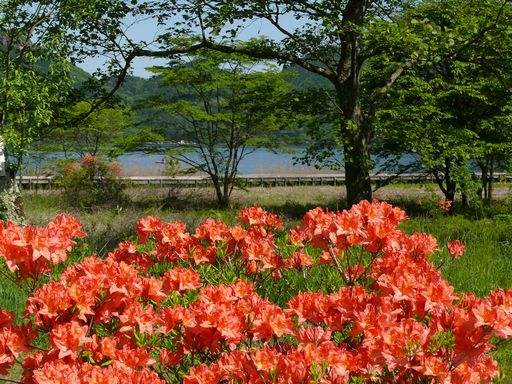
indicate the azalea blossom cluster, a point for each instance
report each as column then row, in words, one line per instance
column 92, row 165
column 445, row 205
column 31, row 251
column 170, row 308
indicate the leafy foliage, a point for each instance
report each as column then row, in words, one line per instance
column 222, row 109
column 95, row 135
column 336, row 41
column 38, row 39
column 90, row 182
column 454, row 109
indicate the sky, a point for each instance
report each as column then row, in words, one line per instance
column 148, row 30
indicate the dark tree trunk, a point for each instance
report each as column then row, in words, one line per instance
column 357, row 166
column 487, row 181
column 450, row 193
column 483, row 192
column 451, row 186
column 465, row 200
column 463, row 186
column 222, row 198
column 490, row 188
column 444, row 180
column 355, row 129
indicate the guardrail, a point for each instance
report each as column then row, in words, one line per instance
column 255, row 180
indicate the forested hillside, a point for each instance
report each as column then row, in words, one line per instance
column 138, row 93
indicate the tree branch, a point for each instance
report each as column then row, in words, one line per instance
column 478, row 36
column 385, row 88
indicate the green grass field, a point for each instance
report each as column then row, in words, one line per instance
column 486, row 265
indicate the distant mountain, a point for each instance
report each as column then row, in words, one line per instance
column 304, row 79
column 135, row 90
column 78, row 75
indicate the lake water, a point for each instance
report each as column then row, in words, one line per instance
column 260, row 161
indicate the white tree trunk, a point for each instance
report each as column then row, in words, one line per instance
column 10, row 196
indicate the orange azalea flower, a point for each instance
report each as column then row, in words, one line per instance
column 153, row 289
column 115, row 168
column 212, row 231
column 88, row 160
column 264, row 359
column 181, row 279
column 169, row 358
column 114, row 311
column 33, row 250
column 134, row 357
column 68, row 337
column 298, row 260
column 445, row 205
column 146, row 227
column 135, row 315
column 455, row 248
column 6, row 318
column 256, row 216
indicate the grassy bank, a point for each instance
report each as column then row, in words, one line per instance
column 486, row 264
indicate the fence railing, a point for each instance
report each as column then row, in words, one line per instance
column 256, row 180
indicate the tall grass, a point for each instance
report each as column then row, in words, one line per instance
column 487, row 262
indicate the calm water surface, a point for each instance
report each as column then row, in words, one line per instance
column 260, row 161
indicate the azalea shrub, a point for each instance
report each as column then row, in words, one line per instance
column 91, row 181
column 217, row 305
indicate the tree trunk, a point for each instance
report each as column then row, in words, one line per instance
column 11, row 207
column 484, row 192
column 444, row 180
column 463, row 186
column 450, row 194
column 357, row 166
column 465, row 200
column 448, row 188
column 451, row 186
column 490, row 188
column 356, row 134
column 355, row 128
column 222, row 198
column 487, row 169
column 224, row 202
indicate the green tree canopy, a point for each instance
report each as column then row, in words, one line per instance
column 336, row 40
column 457, row 108
column 95, row 135
column 223, row 108
column 38, row 42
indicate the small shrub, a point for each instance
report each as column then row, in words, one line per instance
column 91, row 182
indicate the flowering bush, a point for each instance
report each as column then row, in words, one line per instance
column 445, row 205
column 193, row 307
column 91, row 181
